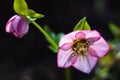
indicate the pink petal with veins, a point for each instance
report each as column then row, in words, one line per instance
column 9, row 23
column 66, row 46
column 101, row 47
column 92, row 34
column 85, row 63
column 68, row 38
column 66, row 58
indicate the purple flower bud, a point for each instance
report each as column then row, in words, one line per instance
column 17, row 25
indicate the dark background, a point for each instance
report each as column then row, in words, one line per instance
column 29, row 58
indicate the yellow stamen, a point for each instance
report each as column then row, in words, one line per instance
column 80, row 46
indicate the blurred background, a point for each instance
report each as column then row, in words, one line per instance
column 29, row 58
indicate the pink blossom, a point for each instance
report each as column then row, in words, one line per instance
column 81, row 49
column 17, row 25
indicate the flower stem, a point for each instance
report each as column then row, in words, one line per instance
column 67, row 70
column 67, row 74
column 45, row 34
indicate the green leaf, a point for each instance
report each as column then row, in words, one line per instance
column 52, row 48
column 55, row 37
column 32, row 15
column 20, row 6
column 50, row 32
column 114, row 29
column 58, row 37
column 82, row 25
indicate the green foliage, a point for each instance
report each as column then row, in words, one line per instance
column 82, row 25
column 55, row 37
column 20, row 7
column 32, row 15
column 101, row 73
column 108, row 60
column 118, row 56
column 114, row 29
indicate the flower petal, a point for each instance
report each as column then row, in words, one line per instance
column 8, row 27
column 92, row 52
column 66, row 46
column 16, row 23
column 9, row 24
column 20, row 25
column 101, row 47
column 93, row 34
column 93, row 39
column 85, row 63
column 80, row 34
column 68, row 38
column 66, row 58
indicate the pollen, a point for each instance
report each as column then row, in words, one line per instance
column 80, row 46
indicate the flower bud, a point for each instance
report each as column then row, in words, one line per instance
column 18, row 26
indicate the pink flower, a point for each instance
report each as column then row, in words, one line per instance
column 81, row 49
column 17, row 25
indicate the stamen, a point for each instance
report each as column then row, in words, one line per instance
column 80, row 46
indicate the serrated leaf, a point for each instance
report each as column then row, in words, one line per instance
column 20, row 6
column 82, row 25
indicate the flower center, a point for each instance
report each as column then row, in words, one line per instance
column 80, row 46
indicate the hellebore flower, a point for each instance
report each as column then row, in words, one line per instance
column 17, row 25
column 81, row 49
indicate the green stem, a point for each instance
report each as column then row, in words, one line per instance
column 67, row 70
column 67, row 74
column 45, row 34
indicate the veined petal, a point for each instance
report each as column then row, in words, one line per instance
column 93, row 39
column 66, row 46
column 68, row 38
column 23, row 27
column 66, row 58
column 80, row 34
column 9, row 24
column 92, row 52
column 93, row 34
column 17, row 24
column 101, row 47
column 8, row 27
column 85, row 63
